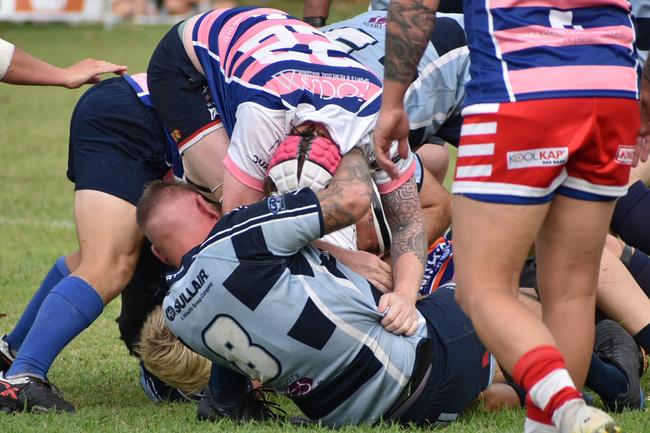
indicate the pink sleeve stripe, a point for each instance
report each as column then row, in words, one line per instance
column 393, row 184
column 557, row 4
column 546, row 79
column 522, row 38
column 203, row 32
column 242, row 176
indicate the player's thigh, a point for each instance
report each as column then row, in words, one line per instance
column 641, row 172
column 435, row 158
column 108, row 235
column 569, row 246
column 491, row 242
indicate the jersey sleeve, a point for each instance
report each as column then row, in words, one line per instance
column 276, row 226
column 255, row 136
column 6, row 55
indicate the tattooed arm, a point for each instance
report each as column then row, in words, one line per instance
column 408, row 253
column 347, row 198
column 408, row 30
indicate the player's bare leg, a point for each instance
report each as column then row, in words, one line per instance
column 619, row 296
column 568, row 248
column 435, row 158
column 109, row 241
column 491, row 243
column 203, row 162
column 489, row 253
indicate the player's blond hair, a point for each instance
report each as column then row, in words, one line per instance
column 165, row 356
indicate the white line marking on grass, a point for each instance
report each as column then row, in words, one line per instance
column 55, row 224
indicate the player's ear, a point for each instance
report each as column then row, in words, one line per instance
column 206, row 208
column 160, row 256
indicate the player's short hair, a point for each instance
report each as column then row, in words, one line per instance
column 158, row 191
column 166, row 357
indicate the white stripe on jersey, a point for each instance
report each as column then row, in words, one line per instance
column 266, row 215
column 353, row 332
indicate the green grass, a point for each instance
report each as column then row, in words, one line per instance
column 95, row 371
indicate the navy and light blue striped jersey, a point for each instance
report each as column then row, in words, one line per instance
column 538, row 49
column 256, row 297
column 435, row 98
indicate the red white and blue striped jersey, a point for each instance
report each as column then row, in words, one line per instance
column 539, row 49
column 269, row 72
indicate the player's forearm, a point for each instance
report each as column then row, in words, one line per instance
column 408, row 30
column 347, row 198
column 27, row 69
column 408, row 247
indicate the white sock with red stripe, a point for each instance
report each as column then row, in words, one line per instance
column 542, row 373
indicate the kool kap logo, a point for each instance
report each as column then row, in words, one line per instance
column 625, row 155
column 546, row 157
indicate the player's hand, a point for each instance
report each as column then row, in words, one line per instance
column 401, row 316
column 88, row 71
column 392, row 124
column 642, row 150
column 371, row 267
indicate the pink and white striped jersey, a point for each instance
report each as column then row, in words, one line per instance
column 538, row 49
column 268, row 72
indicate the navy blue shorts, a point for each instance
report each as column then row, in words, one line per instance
column 179, row 92
column 461, row 367
column 117, row 144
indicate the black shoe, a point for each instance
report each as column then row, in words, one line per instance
column 247, row 408
column 6, row 355
column 31, row 395
column 613, row 344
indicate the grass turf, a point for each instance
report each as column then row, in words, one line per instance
column 36, row 227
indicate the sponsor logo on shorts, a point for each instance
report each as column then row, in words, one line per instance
column 625, row 155
column 276, row 203
column 546, row 157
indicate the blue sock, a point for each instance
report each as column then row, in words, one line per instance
column 57, row 273
column 630, row 219
column 226, row 385
column 605, row 379
column 68, row 309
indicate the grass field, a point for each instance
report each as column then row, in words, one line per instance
column 36, row 227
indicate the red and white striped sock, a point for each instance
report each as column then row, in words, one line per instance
column 542, row 373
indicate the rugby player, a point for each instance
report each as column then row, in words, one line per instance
column 117, row 145
column 328, row 348
column 435, row 97
column 519, row 100
column 19, row 67
column 239, row 85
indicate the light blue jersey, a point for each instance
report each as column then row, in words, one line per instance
column 257, row 298
column 435, row 98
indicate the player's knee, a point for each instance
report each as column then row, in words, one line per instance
column 109, row 277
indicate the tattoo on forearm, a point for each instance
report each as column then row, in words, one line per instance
column 404, row 215
column 352, row 171
column 408, row 30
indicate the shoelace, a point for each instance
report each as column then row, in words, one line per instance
column 257, row 397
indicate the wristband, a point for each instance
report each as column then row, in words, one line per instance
column 315, row 21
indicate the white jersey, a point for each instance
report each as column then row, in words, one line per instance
column 435, row 98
